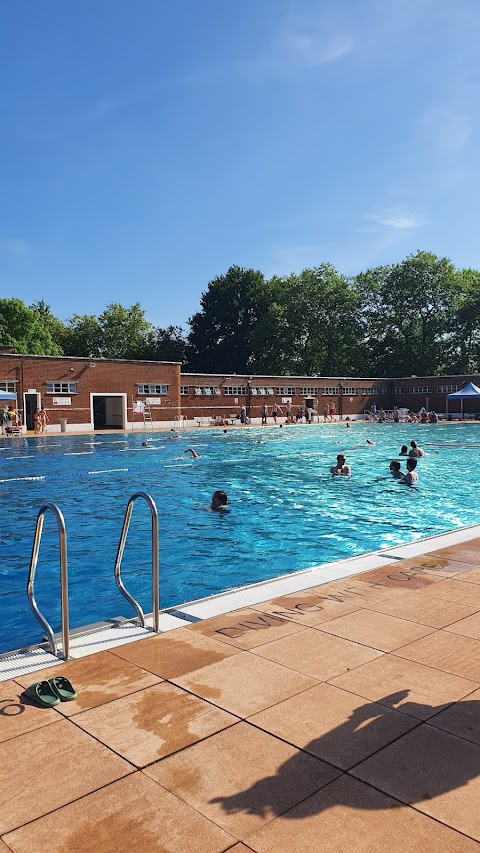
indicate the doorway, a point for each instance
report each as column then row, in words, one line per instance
column 108, row 411
column 30, row 403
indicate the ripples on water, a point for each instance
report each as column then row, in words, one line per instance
column 286, row 511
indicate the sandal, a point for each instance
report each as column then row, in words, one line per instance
column 62, row 688
column 42, row 693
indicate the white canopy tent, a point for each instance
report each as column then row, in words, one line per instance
column 470, row 392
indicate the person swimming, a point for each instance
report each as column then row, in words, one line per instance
column 395, row 469
column 219, row 501
column 194, row 453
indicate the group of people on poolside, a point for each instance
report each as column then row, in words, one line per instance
column 40, row 421
column 408, row 477
column 381, row 417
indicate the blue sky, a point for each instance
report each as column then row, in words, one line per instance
column 148, row 145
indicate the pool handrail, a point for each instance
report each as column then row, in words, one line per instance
column 155, row 573
column 62, row 536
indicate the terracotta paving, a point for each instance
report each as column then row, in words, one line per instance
column 345, row 717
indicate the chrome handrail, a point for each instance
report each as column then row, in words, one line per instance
column 155, row 577
column 62, row 536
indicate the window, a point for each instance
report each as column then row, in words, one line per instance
column 383, row 389
column 234, row 390
column 61, row 387
column 308, row 392
column 350, row 392
column 420, row 389
column 330, row 392
column 399, row 391
column 369, row 391
column 8, row 386
column 286, row 391
column 151, row 389
column 448, row 389
column 184, row 390
column 207, row 390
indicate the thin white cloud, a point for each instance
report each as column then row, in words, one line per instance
column 12, row 246
column 311, row 51
column 450, row 131
column 396, row 220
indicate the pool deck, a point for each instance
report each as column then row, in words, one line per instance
column 341, row 716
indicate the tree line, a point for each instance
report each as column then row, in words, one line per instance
column 420, row 316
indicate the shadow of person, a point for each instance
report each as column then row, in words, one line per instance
column 425, row 761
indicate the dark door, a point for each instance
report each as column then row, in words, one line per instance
column 31, row 403
column 99, row 412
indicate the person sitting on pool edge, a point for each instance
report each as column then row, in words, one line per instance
column 219, row 501
column 411, row 477
column 395, row 469
column 340, row 469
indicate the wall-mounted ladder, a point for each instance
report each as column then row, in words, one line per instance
column 147, row 415
column 62, row 534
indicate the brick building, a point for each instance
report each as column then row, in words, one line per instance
column 113, row 394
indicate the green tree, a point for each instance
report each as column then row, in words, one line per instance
column 117, row 333
column 464, row 339
column 165, row 344
column 22, row 329
column 220, row 339
column 55, row 326
column 405, row 311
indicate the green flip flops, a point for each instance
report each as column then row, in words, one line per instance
column 62, row 688
column 43, row 694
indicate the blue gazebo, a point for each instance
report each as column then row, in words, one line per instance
column 470, row 392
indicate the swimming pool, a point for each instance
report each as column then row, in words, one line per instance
column 287, row 513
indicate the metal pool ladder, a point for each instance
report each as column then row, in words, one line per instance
column 155, row 577
column 62, row 536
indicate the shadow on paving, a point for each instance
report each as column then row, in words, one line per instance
column 420, row 765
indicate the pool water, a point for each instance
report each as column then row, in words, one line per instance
column 287, row 513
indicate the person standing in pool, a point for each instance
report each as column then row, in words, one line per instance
column 219, row 501
column 395, row 469
column 411, row 477
column 403, row 450
column 340, row 469
column 416, row 451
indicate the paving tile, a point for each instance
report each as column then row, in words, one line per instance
column 471, row 576
column 322, row 656
column 334, row 725
column 396, row 576
column 357, row 593
column 469, row 627
column 468, row 552
column 426, row 610
column 376, row 630
column 305, row 608
column 5, row 849
column 238, row 848
column 153, row 723
column 245, row 683
column 410, row 687
column 176, row 653
column 462, row 719
column 437, row 565
column 436, row 772
column 19, row 714
column 49, row 767
column 455, row 590
column 246, row 629
column 132, row 814
column 448, row 652
column 350, row 816
column 97, row 679
column 240, row 778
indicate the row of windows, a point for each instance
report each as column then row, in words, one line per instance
column 61, row 387
column 420, row 389
column 8, row 386
column 448, row 389
column 207, row 389
column 146, row 388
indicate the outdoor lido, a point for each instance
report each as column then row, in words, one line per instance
column 261, row 668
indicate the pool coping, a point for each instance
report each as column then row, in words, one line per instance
column 116, row 632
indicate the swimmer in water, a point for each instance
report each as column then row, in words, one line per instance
column 194, row 453
column 144, row 443
column 340, row 469
column 411, row 477
column 370, row 443
column 219, row 501
column 395, row 469
column 403, row 450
